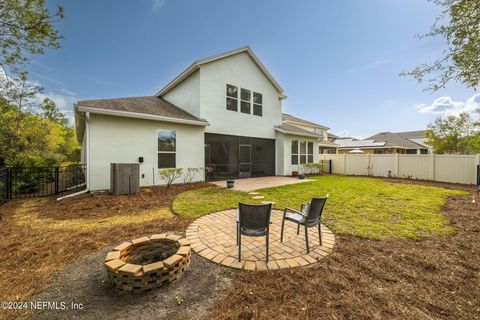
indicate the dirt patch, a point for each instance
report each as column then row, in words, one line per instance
column 103, row 204
column 365, row 279
column 85, row 282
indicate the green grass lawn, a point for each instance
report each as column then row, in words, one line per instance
column 363, row 207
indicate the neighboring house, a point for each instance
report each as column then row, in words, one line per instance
column 328, row 146
column 223, row 112
column 410, row 142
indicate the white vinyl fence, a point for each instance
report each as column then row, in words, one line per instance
column 444, row 168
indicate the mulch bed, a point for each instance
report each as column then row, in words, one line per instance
column 436, row 278
column 31, row 256
column 102, row 204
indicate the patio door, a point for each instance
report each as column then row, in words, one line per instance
column 245, row 161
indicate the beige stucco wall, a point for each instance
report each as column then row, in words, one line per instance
column 203, row 94
column 186, row 94
column 119, row 139
column 241, row 71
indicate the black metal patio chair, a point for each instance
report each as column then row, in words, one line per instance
column 253, row 220
column 309, row 216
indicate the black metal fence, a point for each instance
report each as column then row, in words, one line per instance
column 4, row 183
column 478, row 178
column 28, row 182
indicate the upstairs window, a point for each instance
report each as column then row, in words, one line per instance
column 167, row 141
column 245, row 100
column 257, row 104
column 232, row 98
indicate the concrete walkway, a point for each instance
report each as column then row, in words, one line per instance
column 251, row 184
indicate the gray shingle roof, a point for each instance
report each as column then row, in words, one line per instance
column 291, row 129
column 412, row 134
column 145, row 105
column 394, row 139
column 289, row 117
column 355, row 143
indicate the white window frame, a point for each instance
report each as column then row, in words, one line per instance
column 249, row 101
column 228, row 97
column 295, row 154
column 258, row 104
column 159, row 152
column 299, row 153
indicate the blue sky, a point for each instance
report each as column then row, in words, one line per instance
column 338, row 61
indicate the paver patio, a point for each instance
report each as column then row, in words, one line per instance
column 214, row 237
column 251, row 184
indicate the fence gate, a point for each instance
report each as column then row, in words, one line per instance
column 29, row 182
column 326, row 166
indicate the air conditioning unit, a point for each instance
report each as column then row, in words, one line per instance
column 124, row 178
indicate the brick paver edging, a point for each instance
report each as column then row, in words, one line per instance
column 134, row 277
column 214, row 237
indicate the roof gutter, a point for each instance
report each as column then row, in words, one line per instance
column 86, row 152
column 145, row 116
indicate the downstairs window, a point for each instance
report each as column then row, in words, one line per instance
column 167, row 150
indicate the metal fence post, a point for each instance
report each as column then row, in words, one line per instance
column 57, row 176
column 330, row 166
column 478, row 177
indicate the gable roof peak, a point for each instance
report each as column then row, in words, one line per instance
column 198, row 63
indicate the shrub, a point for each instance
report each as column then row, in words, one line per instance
column 170, row 175
column 311, row 168
column 190, row 173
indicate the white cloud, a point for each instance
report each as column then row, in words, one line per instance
column 41, row 76
column 343, row 133
column 97, row 80
column 64, row 102
column 64, row 99
column 445, row 106
column 158, row 4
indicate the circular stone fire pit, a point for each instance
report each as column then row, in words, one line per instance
column 146, row 263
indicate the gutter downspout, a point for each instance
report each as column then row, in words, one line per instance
column 87, row 159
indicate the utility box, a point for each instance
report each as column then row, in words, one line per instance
column 124, row 178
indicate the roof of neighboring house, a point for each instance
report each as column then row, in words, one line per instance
column 289, row 118
column 331, row 135
column 294, row 130
column 405, row 140
column 326, row 143
column 412, row 134
column 151, row 106
column 355, row 143
column 196, row 65
column 397, row 139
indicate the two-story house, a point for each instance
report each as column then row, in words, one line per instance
column 223, row 112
